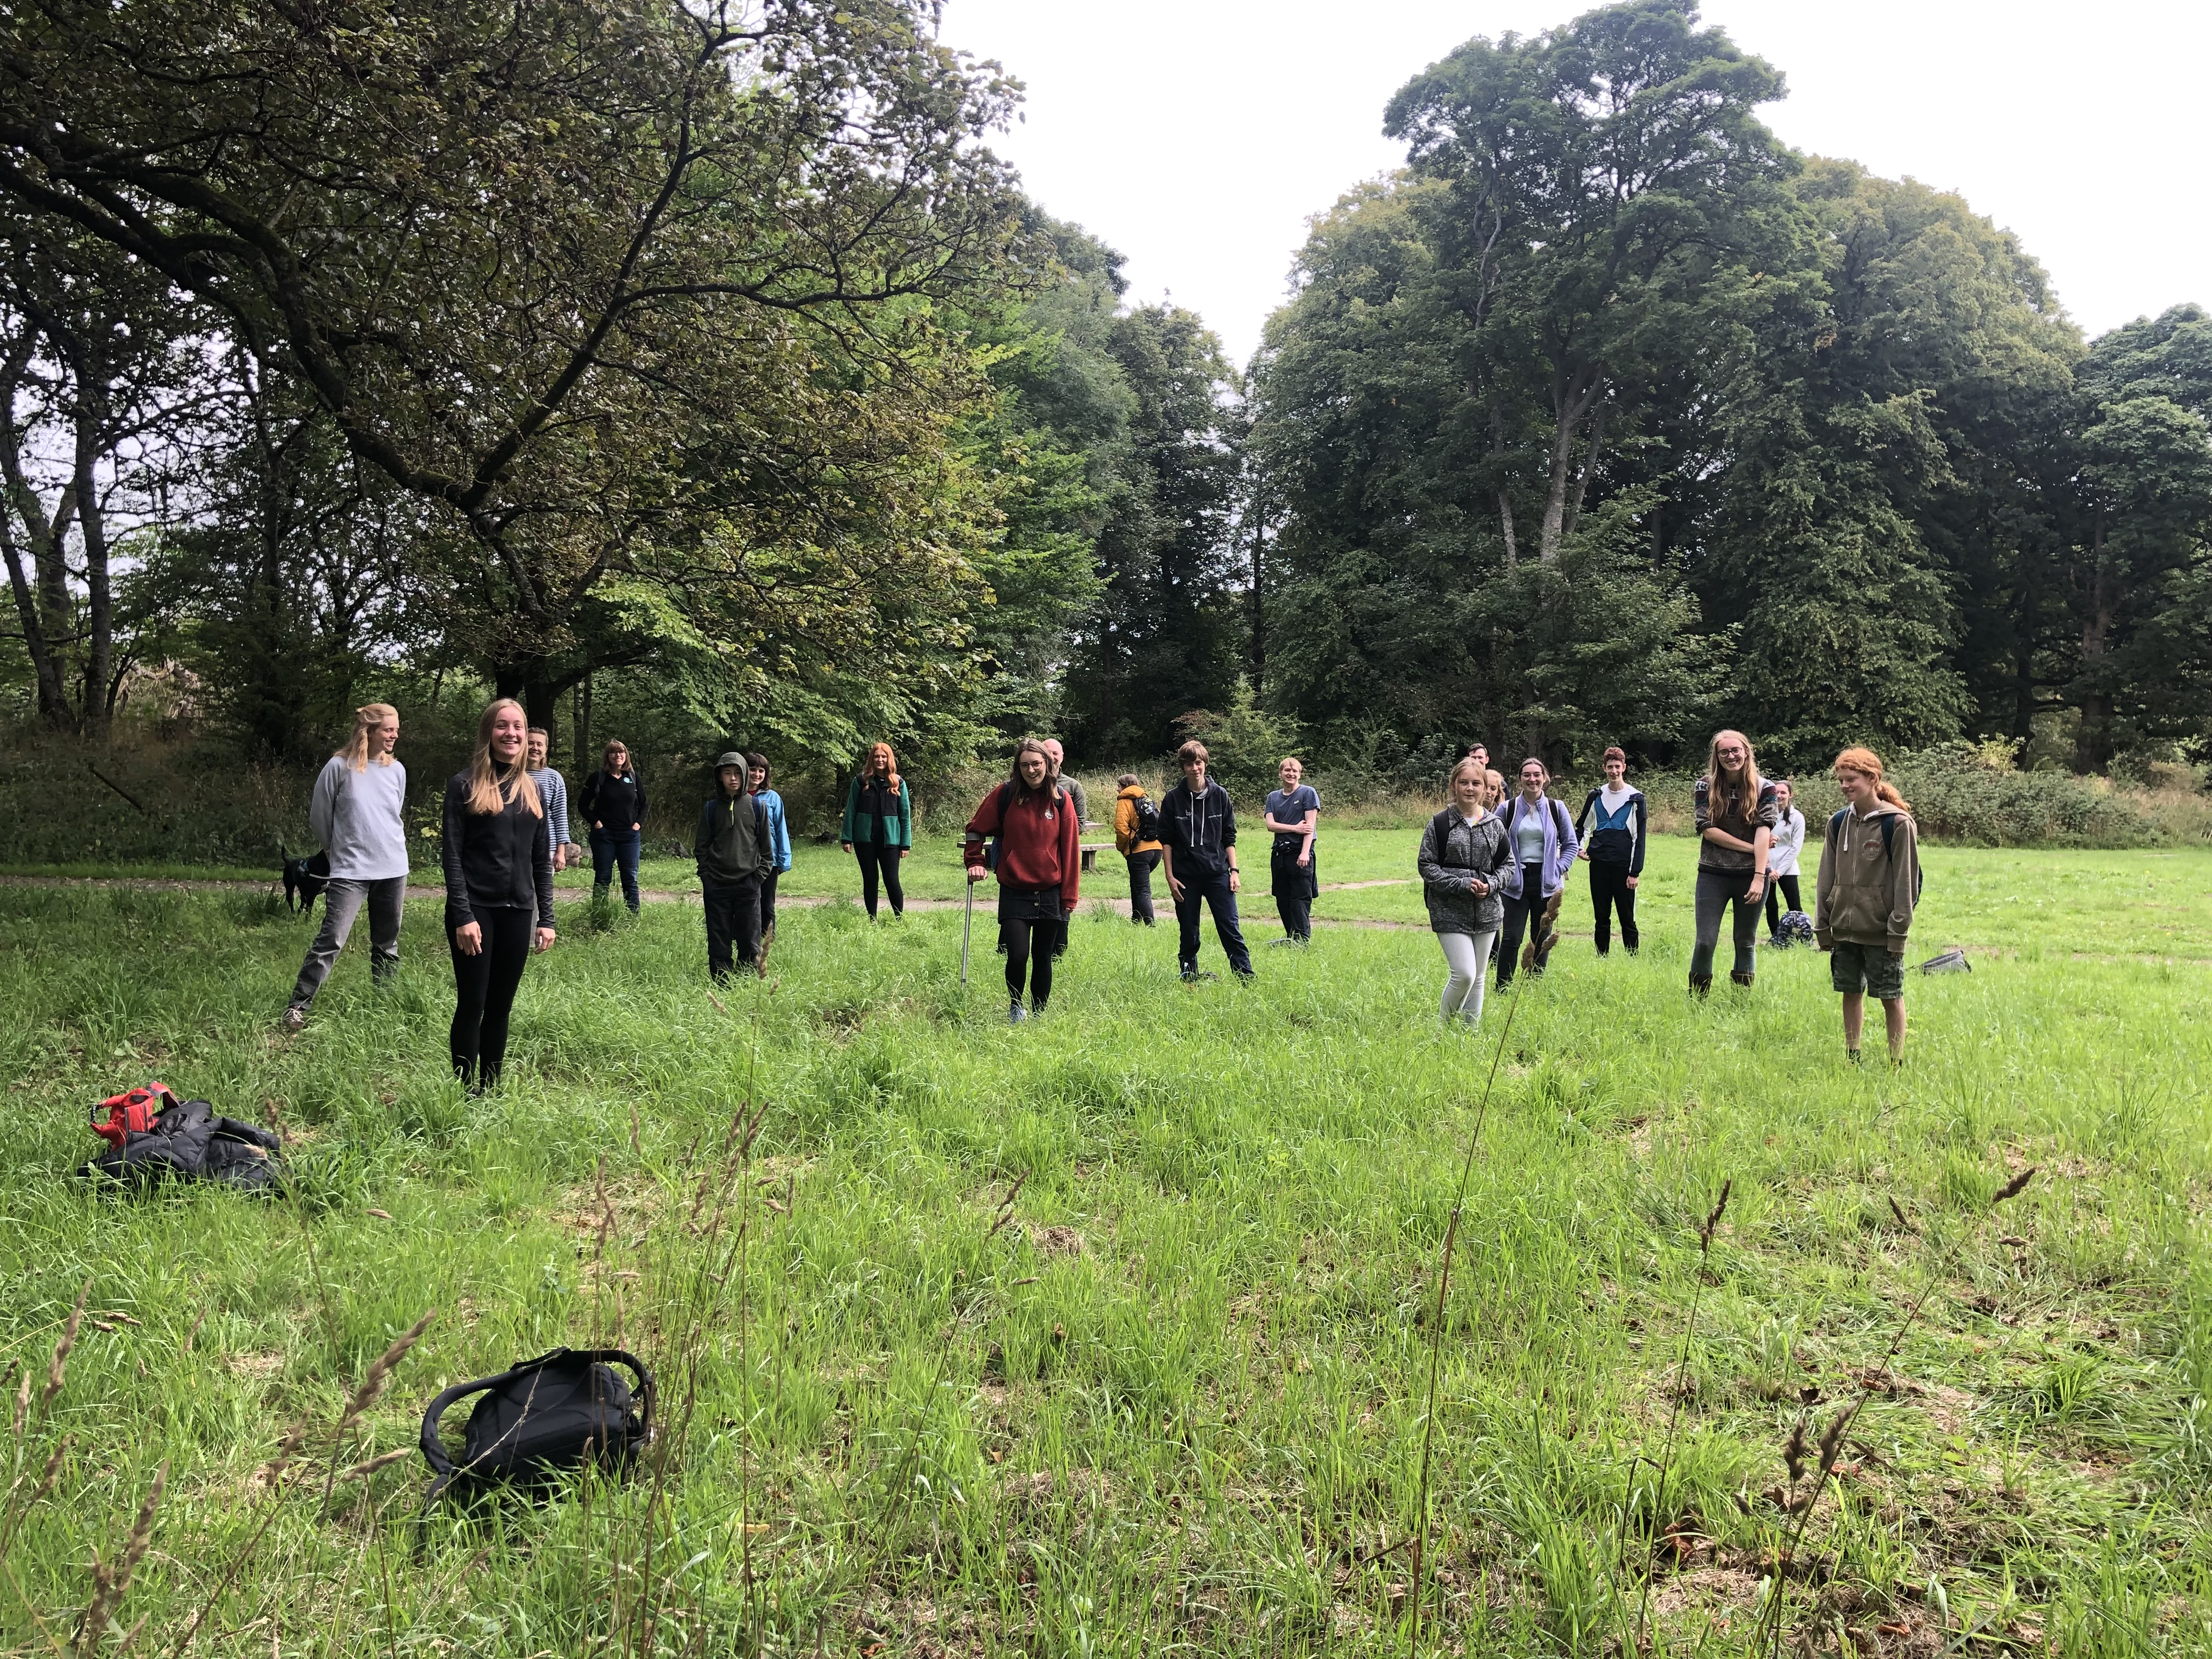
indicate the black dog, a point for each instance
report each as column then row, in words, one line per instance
column 305, row 880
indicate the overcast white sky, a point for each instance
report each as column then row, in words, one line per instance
column 1197, row 135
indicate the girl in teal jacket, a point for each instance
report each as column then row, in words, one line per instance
column 879, row 826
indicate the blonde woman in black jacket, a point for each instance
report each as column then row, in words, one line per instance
column 499, row 889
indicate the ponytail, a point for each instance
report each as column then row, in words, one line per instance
column 366, row 718
column 1865, row 762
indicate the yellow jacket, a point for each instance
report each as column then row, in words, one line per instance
column 1125, row 823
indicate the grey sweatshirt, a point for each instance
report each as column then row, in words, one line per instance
column 356, row 817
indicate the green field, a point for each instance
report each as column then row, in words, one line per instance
column 1176, row 1402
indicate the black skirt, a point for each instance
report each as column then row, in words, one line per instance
column 1031, row 904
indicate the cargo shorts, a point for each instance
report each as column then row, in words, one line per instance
column 1869, row 968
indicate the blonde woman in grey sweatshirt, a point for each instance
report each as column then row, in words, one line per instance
column 355, row 812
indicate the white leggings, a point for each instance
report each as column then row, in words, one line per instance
column 1468, row 955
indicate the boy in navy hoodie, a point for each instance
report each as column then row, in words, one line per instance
column 1198, row 835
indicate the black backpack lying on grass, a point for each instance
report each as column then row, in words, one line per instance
column 545, row 1415
column 184, row 1140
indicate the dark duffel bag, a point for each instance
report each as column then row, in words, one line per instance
column 545, row 1415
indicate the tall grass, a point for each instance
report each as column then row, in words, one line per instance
column 1096, row 1336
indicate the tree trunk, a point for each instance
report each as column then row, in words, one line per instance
column 1259, row 609
column 583, row 728
column 29, row 587
column 2092, row 738
column 1572, row 406
column 1505, row 522
column 91, row 525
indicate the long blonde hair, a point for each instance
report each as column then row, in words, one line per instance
column 489, row 791
column 1721, row 796
column 1858, row 758
column 366, row 719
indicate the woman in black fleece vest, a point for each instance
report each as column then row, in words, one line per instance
column 499, row 889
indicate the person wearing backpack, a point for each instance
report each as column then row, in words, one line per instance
column 1543, row 846
column 355, row 812
column 1137, row 836
column 779, row 831
column 735, row 850
column 1463, row 858
column 1614, row 851
column 1039, row 866
column 1291, row 812
column 879, row 826
column 1737, row 812
column 1781, row 861
column 499, row 880
column 1864, row 896
column 613, row 800
column 1198, row 839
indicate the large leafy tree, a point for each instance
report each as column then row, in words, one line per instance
column 634, row 296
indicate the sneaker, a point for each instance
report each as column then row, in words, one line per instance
column 1016, row 1013
column 296, row 1020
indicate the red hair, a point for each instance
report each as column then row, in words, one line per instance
column 890, row 763
column 1860, row 759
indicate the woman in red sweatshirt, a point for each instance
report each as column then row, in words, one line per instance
column 1039, row 866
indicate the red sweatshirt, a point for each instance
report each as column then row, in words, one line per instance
column 1038, row 845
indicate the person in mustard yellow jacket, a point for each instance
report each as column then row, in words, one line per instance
column 1137, row 834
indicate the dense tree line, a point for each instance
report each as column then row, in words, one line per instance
column 1611, row 416
column 706, row 351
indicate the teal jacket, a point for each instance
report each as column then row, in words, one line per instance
column 884, row 829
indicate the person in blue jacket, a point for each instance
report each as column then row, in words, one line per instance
column 778, row 830
column 1614, row 851
column 1544, row 847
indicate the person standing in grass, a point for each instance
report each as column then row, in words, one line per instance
column 1543, row 848
column 1070, row 786
column 613, row 801
column 1137, row 837
column 553, row 790
column 736, row 851
column 1463, row 858
column 355, row 813
column 499, row 889
column 1863, row 897
column 1198, row 839
column 1615, row 850
column 879, row 826
column 1781, row 859
column 1737, row 812
column 779, row 831
column 1291, row 812
column 1040, row 869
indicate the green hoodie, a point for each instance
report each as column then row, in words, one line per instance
column 1866, row 890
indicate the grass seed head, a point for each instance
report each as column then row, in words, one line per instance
column 58, row 1366
column 1898, row 1212
column 380, row 1372
column 382, row 1461
column 23, row 1403
column 2016, row 1187
column 54, row 1468
column 1713, row 1221
column 1832, row 1439
column 110, row 1582
column 1793, row 1451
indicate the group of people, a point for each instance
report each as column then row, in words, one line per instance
column 505, row 831
column 1494, row 869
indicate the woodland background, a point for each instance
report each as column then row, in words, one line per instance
column 696, row 373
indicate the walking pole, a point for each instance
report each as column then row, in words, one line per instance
column 966, row 920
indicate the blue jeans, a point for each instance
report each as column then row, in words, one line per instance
column 1212, row 892
column 610, row 848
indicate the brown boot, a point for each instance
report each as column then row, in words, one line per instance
column 1737, row 977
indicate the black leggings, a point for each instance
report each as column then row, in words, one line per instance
column 1609, row 888
column 874, row 858
column 1017, row 939
column 1784, row 887
column 484, row 986
column 1716, row 891
column 767, row 903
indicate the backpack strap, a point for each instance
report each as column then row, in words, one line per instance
column 1440, row 827
column 1889, row 834
column 1836, row 822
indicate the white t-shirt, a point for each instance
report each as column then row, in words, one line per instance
column 1789, row 841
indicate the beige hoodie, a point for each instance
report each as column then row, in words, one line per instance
column 1865, row 892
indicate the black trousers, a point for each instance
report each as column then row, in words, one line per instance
column 1029, row 949
column 1142, row 866
column 1610, row 887
column 484, row 986
column 1213, row 893
column 1780, row 887
column 734, row 919
column 1520, row 914
column 1294, row 892
column 876, row 859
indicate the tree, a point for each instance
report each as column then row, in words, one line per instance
column 1607, row 183
column 628, row 294
column 1163, row 638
